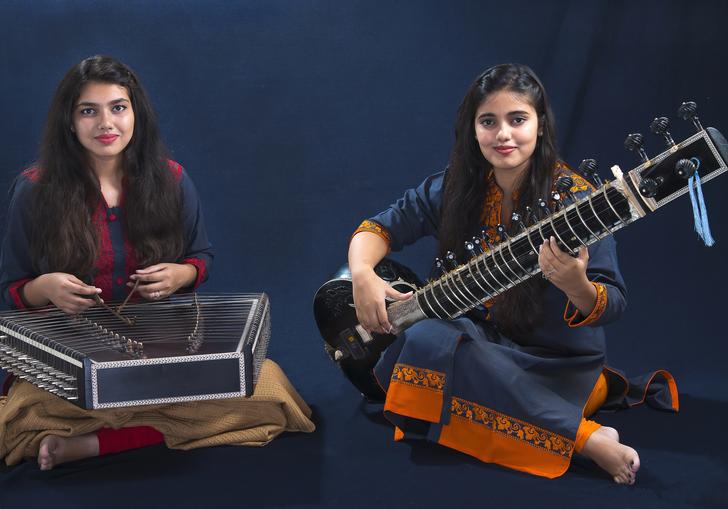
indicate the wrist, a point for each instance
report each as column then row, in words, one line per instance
column 361, row 269
column 188, row 274
column 34, row 293
column 580, row 289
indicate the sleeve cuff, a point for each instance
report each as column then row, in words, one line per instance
column 375, row 228
column 14, row 291
column 201, row 270
column 575, row 319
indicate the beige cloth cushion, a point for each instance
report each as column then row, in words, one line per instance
column 28, row 414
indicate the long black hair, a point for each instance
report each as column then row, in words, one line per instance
column 68, row 192
column 466, row 183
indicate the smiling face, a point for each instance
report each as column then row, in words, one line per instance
column 506, row 127
column 103, row 120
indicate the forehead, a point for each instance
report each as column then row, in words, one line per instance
column 100, row 93
column 504, row 102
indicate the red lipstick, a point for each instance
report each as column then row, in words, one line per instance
column 504, row 150
column 107, row 139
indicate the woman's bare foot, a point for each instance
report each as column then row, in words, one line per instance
column 619, row 460
column 55, row 450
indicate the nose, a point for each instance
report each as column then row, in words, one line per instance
column 104, row 120
column 504, row 132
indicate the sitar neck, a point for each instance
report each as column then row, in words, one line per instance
column 587, row 220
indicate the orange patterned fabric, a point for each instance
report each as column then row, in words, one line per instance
column 494, row 437
column 415, row 392
column 512, row 427
column 575, row 319
column 425, row 378
column 372, row 227
column 475, row 429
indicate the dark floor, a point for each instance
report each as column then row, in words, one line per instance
column 351, row 461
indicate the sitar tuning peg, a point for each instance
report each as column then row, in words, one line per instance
column 502, row 232
column 556, row 198
column 589, row 168
column 477, row 245
column 634, row 142
column 486, row 238
column 648, row 187
column 659, row 126
column 685, row 168
column 473, row 247
column 440, row 265
column 564, row 185
column 688, row 111
column 516, row 219
column 450, row 260
column 470, row 248
column 544, row 207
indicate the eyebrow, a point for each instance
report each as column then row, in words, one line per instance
column 519, row 112
column 115, row 101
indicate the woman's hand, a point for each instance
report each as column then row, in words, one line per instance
column 65, row 291
column 163, row 279
column 568, row 274
column 370, row 291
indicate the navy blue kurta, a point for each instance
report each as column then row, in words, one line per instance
column 116, row 259
column 463, row 384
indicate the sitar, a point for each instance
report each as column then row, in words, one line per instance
column 491, row 271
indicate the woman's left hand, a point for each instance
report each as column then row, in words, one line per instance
column 163, row 279
column 566, row 272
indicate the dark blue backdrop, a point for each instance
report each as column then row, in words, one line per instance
column 297, row 119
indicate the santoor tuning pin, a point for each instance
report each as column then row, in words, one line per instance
column 589, row 168
column 688, row 111
column 634, row 142
column 659, row 126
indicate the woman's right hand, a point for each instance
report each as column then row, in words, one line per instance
column 370, row 292
column 66, row 291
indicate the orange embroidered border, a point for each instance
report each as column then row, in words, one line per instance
column 512, row 427
column 575, row 319
column 371, row 226
column 428, row 379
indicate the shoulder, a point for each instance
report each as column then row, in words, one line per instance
column 31, row 174
column 25, row 182
column 176, row 169
column 436, row 181
column 580, row 184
